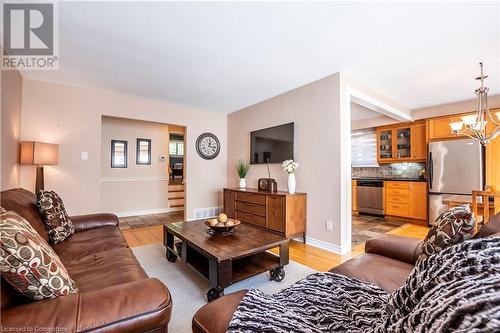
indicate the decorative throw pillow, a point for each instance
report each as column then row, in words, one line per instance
column 451, row 227
column 52, row 210
column 28, row 263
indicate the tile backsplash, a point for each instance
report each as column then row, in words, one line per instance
column 397, row 170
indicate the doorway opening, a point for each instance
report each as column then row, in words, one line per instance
column 361, row 113
column 368, row 205
column 138, row 183
column 176, row 168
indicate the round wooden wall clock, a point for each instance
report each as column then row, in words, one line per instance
column 208, row 146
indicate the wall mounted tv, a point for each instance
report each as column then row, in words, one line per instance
column 273, row 144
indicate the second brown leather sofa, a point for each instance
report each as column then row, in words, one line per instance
column 387, row 262
column 116, row 295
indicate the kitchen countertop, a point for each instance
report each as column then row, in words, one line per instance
column 396, row 179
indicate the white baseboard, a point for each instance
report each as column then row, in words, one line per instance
column 326, row 246
column 147, row 212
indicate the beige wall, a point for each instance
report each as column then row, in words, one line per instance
column 71, row 117
column 321, row 112
column 315, row 110
column 11, row 86
column 120, row 186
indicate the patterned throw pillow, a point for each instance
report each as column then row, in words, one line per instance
column 52, row 210
column 28, row 263
column 451, row 227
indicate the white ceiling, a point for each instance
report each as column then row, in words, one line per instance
column 226, row 56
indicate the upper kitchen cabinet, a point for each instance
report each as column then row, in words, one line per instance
column 439, row 128
column 418, row 142
column 385, row 146
column 401, row 143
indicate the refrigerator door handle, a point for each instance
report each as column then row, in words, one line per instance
column 431, row 169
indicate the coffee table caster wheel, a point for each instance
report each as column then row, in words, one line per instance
column 213, row 294
column 172, row 257
column 277, row 274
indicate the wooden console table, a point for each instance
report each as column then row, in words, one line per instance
column 279, row 212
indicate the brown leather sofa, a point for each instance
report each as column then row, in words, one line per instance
column 387, row 262
column 115, row 294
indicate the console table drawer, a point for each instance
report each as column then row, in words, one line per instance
column 251, row 197
column 250, row 208
column 251, row 218
column 279, row 212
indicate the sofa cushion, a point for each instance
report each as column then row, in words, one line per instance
column 51, row 209
column 23, row 202
column 389, row 274
column 28, row 263
column 90, row 242
column 223, row 308
column 455, row 290
column 105, row 269
column 451, row 227
column 490, row 228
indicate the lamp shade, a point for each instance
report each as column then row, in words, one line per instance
column 39, row 153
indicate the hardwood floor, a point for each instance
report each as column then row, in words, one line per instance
column 305, row 254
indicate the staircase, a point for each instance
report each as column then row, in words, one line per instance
column 176, row 197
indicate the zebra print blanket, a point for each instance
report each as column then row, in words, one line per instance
column 455, row 290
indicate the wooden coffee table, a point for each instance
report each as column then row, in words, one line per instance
column 224, row 260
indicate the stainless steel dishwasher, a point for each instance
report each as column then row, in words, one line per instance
column 370, row 196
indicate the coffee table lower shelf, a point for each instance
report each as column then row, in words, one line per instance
column 223, row 274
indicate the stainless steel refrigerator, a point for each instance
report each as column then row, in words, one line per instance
column 454, row 167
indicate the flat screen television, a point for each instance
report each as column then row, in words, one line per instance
column 273, row 144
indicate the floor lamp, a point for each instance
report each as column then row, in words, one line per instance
column 39, row 154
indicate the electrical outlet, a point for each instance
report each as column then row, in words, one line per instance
column 329, row 225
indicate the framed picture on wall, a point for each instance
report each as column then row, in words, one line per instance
column 143, row 152
column 119, row 153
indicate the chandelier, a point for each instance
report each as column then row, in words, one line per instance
column 475, row 126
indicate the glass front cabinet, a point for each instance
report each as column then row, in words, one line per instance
column 385, row 145
column 401, row 143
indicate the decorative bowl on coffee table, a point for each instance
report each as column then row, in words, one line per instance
column 222, row 230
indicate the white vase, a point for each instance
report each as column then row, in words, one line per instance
column 291, row 183
column 243, row 183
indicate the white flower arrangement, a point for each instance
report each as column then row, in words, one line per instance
column 289, row 166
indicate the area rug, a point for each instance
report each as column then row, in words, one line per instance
column 188, row 288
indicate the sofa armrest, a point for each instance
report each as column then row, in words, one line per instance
column 400, row 248
column 136, row 306
column 91, row 221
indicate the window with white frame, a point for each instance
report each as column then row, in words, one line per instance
column 176, row 148
column 364, row 149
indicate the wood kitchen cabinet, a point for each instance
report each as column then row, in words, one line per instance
column 418, row 142
column 401, row 143
column 279, row 212
column 354, row 196
column 439, row 128
column 406, row 199
column 418, row 200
